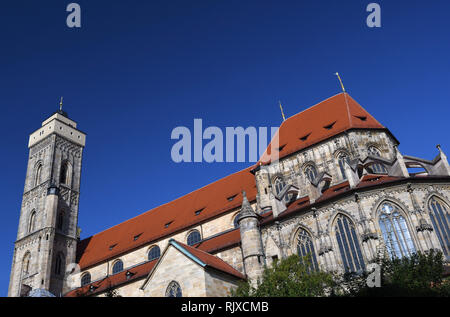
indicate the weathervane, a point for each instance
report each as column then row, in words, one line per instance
column 61, row 104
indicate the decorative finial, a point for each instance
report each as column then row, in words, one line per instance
column 61, row 104
column 282, row 113
column 340, row 80
column 439, row 147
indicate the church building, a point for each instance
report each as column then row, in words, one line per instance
column 340, row 192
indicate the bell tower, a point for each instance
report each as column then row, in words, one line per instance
column 47, row 234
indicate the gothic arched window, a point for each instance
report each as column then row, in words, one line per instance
column 348, row 244
column 65, row 173
column 396, row 235
column 38, row 175
column 117, row 267
column 154, row 253
column 377, row 168
column 194, row 238
column 311, row 172
column 440, row 218
column 342, row 158
column 32, row 222
column 173, row 290
column 280, row 184
column 26, row 263
column 86, row 279
column 59, row 264
column 305, row 248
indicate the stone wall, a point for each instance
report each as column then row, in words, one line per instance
column 364, row 214
column 175, row 266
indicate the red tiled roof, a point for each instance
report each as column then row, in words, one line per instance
column 326, row 119
column 180, row 213
column 218, row 242
column 111, row 281
column 322, row 121
column 212, row 261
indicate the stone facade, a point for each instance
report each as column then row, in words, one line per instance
column 175, row 266
column 47, row 234
column 346, row 182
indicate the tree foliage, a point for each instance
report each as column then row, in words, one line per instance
column 289, row 277
column 420, row 274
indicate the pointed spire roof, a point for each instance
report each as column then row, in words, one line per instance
column 322, row 121
column 246, row 209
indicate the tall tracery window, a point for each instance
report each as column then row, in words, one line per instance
column 32, row 222
column 348, row 244
column 439, row 214
column 26, row 263
column 173, row 290
column 38, row 175
column 311, row 172
column 154, row 253
column 377, row 168
column 342, row 158
column 396, row 235
column 305, row 248
column 59, row 264
column 65, row 172
column 86, row 279
column 117, row 267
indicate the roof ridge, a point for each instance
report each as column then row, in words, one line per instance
column 169, row 202
column 316, row 104
column 364, row 109
column 190, row 248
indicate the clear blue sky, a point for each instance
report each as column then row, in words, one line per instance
column 137, row 69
